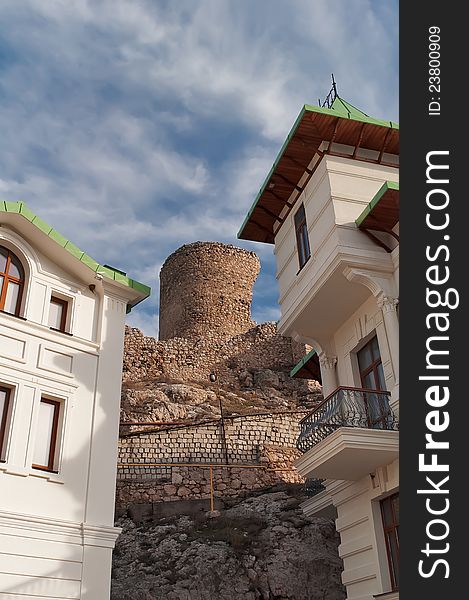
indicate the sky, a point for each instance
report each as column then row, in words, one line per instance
column 136, row 126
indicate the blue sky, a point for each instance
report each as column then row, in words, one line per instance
column 135, row 126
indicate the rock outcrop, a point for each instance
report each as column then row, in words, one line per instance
column 260, row 548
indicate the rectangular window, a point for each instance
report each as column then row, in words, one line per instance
column 5, row 394
column 302, row 239
column 371, row 368
column 58, row 313
column 44, row 456
column 372, row 378
column 390, row 517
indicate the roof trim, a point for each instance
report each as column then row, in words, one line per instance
column 387, row 185
column 270, row 173
column 115, row 275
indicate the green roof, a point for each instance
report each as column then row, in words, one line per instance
column 20, row 208
column 302, row 362
column 387, row 185
column 340, row 108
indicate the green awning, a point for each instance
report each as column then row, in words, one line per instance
column 382, row 215
column 308, row 367
column 383, row 208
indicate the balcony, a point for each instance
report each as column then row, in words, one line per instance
column 351, row 433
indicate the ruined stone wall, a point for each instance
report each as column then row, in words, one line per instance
column 265, row 441
column 206, row 291
column 205, row 326
column 261, row 347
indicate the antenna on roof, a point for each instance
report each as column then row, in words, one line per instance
column 331, row 96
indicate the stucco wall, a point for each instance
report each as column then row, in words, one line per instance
column 55, row 527
column 335, row 196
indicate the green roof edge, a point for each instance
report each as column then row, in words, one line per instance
column 302, row 362
column 317, row 109
column 22, row 209
column 387, row 185
column 276, row 161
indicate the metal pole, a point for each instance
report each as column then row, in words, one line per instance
column 211, row 489
column 222, row 424
column 214, row 378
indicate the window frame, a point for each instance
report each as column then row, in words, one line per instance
column 372, row 367
column 54, row 299
column 50, row 467
column 6, row 280
column 392, row 528
column 4, row 420
column 302, row 237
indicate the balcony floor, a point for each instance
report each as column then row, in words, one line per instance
column 349, row 453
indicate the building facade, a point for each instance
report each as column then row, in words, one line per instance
column 330, row 205
column 61, row 341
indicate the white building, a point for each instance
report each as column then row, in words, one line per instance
column 61, row 342
column 330, row 204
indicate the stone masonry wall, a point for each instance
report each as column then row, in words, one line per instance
column 206, row 290
column 261, row 347
column 264, row 441
column 206, row 326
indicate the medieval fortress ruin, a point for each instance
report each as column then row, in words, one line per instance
column 172, row 430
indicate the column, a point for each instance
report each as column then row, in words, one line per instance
column 328, row 373
column 388, row 305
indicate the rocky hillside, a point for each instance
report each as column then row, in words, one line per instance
column 258, row 390
column 259, row 548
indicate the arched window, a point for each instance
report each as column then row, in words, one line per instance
column 11, row 282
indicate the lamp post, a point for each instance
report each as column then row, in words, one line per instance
column 214, row 379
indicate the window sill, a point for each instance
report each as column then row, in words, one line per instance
column 45, row 469
column 60, row 331
column 304, row 265
column 394, row 595
column 52, row 476
column 22, row 472
column 5, row 312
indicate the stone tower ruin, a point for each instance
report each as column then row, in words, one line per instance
column 206, row 291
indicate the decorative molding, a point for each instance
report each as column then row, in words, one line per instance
column 378, row 265
column 387, row 303
column 327, row 362
column 302, row 339
column 55, row 361
column 363, row 277
column 58, row 530
column 359, row 574
column 355, row 546
column 46, row 334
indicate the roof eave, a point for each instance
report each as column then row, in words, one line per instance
column 140, row 290
column 387, row 185
column 272, row 170
column 307, row 108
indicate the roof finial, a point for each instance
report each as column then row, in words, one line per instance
column 331, row 96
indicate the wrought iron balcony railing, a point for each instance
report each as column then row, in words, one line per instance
column 346, row 407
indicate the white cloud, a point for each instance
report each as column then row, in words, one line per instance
column 147, row 323
column 136, row 126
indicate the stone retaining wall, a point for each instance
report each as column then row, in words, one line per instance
column 264, row 441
